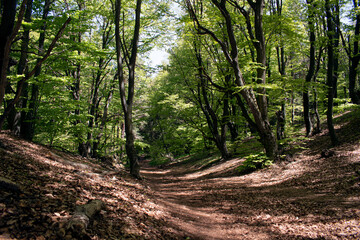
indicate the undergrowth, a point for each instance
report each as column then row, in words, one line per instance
column 253, row 162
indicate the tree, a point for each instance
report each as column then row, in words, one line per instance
column 8, row 33
column 98, row 77
column 353, row 53
column 204, row 103
column 311, row 71
column 127, row 100
column 257, row 105
column 16, row 118
column 332, row 15
column 21, row 83
column 27, row 128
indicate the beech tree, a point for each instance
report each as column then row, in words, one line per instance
column 311, row 71
column 332, row 20
column 256, row 102
column 353, row 52
column 127, row 100
column 27, row 127
column 235, row 66
column 8, row 33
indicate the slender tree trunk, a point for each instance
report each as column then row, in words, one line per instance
column 83, row 147
column 211, row 117
column 94, row 107
column 330, row 71
column 233, row 126
column 30, row 74
column 258, row 8
column 317, row 115
column 6, row 30
column 355, row 58
column 258, row 109
column 311, row 71
column 27, row 129
column 127, row 101
column 95, row 99
column 16, row 117
column 103, row 121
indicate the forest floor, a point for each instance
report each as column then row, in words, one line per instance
column 305, row 196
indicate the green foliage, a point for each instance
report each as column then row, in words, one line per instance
column 159, row 161
column 253, row 162
column 169, row 118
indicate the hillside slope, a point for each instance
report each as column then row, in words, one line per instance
column 305, row 197
column 53, row 183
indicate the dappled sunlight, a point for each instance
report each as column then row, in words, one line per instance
column 154, row 172
column 207, row 222
column 305, row 196
column 313, row 227
column 62, row 181
column 218, row 168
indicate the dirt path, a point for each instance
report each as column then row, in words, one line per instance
column 308, row 197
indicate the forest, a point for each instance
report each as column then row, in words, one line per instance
column 254, row 96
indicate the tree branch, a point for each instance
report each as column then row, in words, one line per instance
column 30, row 74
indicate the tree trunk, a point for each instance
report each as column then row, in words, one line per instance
column 30, row 74
column 6, row 29
column 233, row 126
column 317, row 129
column 330, row 71
column 95, row 99
column 16, row 117
column 94, row 107
column 27, row 129
column 127, row 101
column 103, row 121
column 355, row 58
column 258, row 109
column 258, row 8
column 311, row 71
column 211, row 117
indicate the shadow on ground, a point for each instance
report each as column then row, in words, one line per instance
column 306, row 197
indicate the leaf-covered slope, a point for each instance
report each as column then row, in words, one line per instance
column 52, row 183
column 305, row 196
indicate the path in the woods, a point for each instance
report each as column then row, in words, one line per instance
column 196, row 206
column 305, row 197
column 308, row 197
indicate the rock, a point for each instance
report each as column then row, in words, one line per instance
column 79, row 222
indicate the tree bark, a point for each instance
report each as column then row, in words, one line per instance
column 355, row 58
column 98, row 79
column 311, row 71
column 211, row 117
column 257, row 108
column 27, row 130
column 103, row 121
column 16, row 117
column 330, row 71
column 31, row 73
column 8, row 33
column 127, row 101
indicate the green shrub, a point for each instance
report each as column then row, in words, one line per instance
column 254, row 162
column 159, row 161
